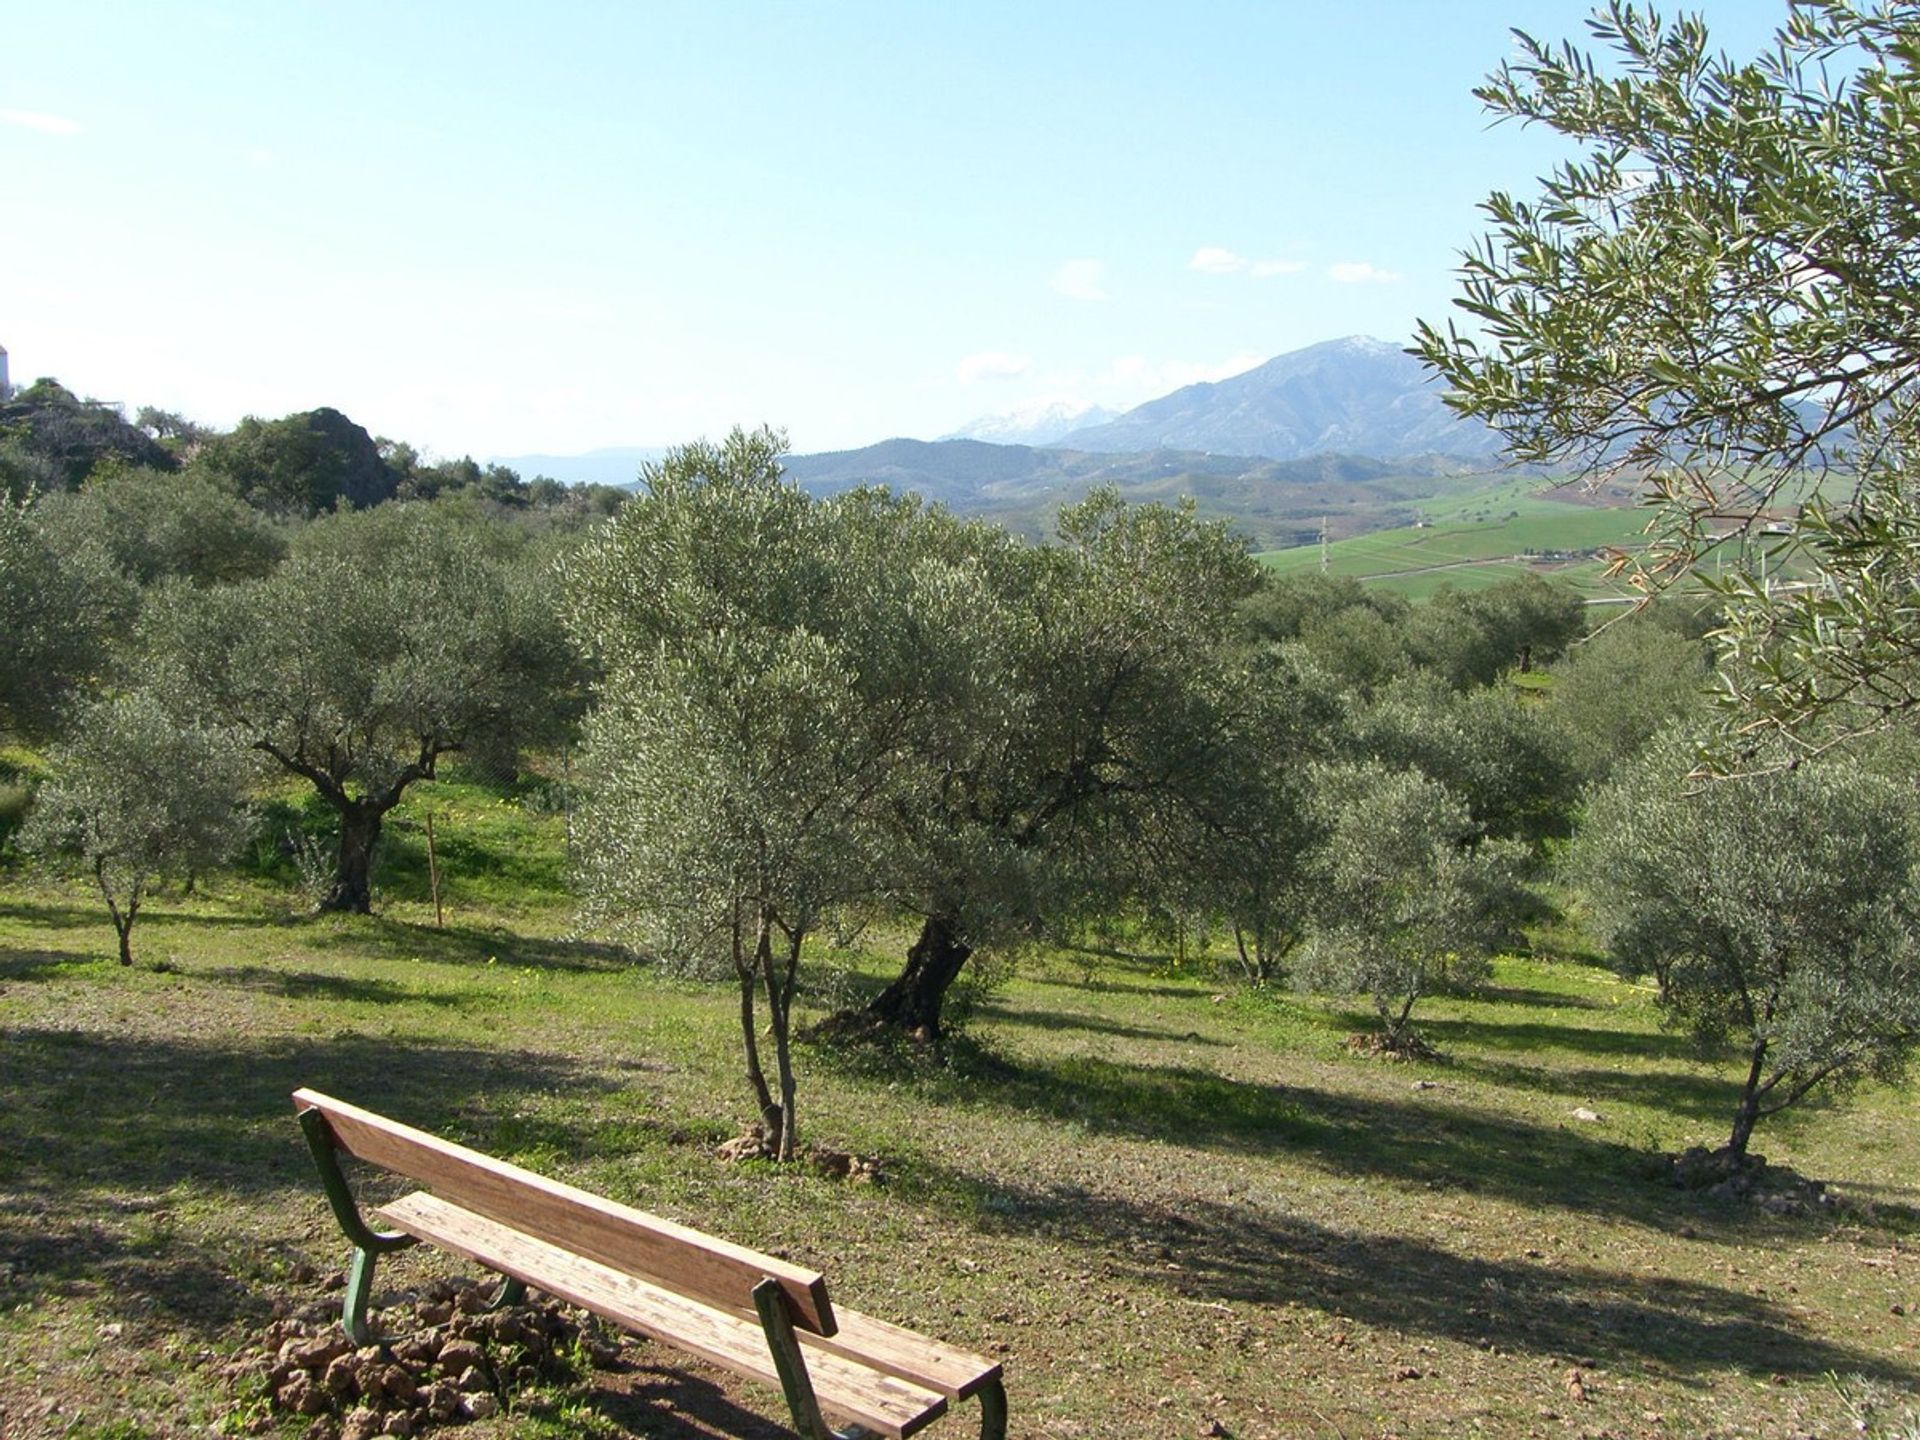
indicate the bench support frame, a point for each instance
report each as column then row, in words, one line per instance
column 790, row 1362
column 368, row 1244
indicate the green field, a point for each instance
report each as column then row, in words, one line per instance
column 1478, row 539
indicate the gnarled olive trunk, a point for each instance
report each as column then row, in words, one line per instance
column 352, row 887
column 1748, row 1114
column 913, row 1001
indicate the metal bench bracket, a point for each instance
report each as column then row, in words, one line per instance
column 368, row 1244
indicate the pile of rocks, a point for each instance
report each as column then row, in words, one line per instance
column 1726, row 1176
column 444, row 1360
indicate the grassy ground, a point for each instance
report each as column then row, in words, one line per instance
column 1174, row 1208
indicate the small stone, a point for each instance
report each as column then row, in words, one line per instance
column 301, row 1395
column 360, row 1424
column 342, row 1380
column 1896, row 1309
column 441, row 1399
column 1406, row 1372
column 1581, row 1112
column 398, row 1386
column 436, row 1313
column 458, row 1355
column 416, row 1350
column 480, row 1407
column 400, row 1422
column 473, row 1380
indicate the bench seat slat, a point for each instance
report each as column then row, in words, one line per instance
column 906, row 1353
column 618, row 1235
column 847, row 1390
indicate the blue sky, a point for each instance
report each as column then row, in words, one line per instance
column 497, row 229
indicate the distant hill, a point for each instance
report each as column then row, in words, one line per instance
column 1277, row 503
column 1038, row 424
column 619, row 465
column 1355, row 396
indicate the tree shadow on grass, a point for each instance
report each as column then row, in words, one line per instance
column 108, row 1144
column 47, row 915
column 1091, row 1024
column 671, row 1397
column 1423, row 1140
column 1540, row 999
column 19, row 963
column 1698, row 1095
column 463, row 944
column 1534, row 1036
column 1244, row 1253
column 312, row 985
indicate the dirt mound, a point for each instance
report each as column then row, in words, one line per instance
column 444, row 1359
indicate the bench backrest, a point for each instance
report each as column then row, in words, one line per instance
column 676, row 1256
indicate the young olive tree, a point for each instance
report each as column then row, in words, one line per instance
column 388, row 639
column 769, row 669
column 138, row 795
column 1720, row 295
column 1407, row 904
column 1778, row 911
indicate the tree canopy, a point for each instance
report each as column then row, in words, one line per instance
column 387, row 639
column 1778, row 912
column 1720, row 295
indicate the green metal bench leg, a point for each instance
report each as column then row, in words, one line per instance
column 993, row 1411
column 368, row 1244
column 511, row 1292
column 791, row 1365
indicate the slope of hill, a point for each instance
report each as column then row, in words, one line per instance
column 1023, row 487
column 1355, row 396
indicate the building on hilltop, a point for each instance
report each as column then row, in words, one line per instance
column 5, row 389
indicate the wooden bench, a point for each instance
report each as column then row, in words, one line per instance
column 751, row 1313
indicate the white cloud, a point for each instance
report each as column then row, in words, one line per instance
column 992, row 365
column 1214, row 260
column 1081, row 279
column 1218, row 260
column 1360, row 272
column 40, row 120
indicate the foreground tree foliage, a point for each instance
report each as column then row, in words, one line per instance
column 138, row 795
column 387, row 640
column 1408, row 900
column 63, row 606
column 1778, row 913
column 1720, row 295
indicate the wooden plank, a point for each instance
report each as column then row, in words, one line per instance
column 678, row 1256
column 848, row 1391
column 906, row 1353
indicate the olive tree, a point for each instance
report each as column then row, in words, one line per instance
column 1095, row 712
column 138, row 795
column 1408, row 900
column 1778, row 912
column 1719, row 295
column 387, row 640
column 770, row 667
column 63, row 604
